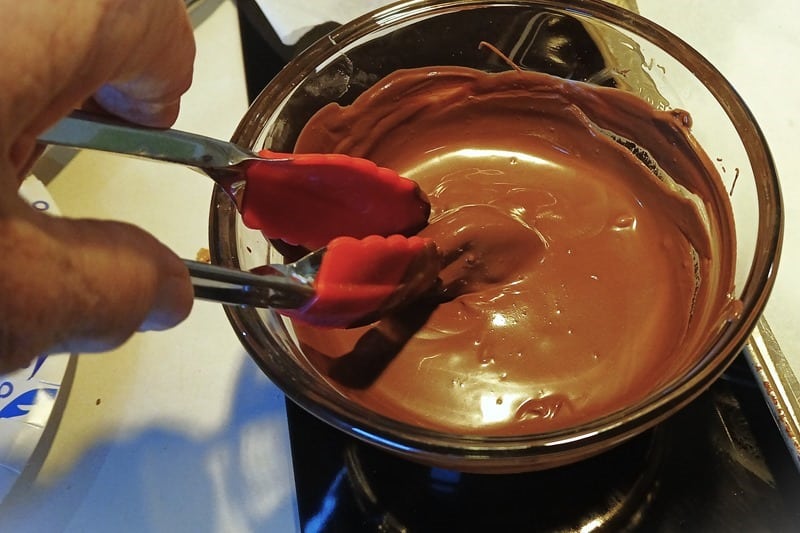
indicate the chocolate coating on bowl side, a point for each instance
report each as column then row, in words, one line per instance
column 588, row 244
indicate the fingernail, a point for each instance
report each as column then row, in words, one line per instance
column 172, row 305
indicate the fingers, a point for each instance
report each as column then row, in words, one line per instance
column 147, row 86
column 23, row 156
column 77, row 285
column 136, row 56
column 120, row 101
column 82, row 286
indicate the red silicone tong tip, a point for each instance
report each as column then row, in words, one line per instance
column 309, row 199
column 360, row 280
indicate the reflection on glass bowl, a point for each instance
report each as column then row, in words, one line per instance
column 596, row 43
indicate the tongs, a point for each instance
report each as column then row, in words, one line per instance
column 349, row 283
column 280, row 194
column 279, row 286
column 276, row 193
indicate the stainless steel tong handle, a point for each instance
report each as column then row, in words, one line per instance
column 85, row 130
column 238, row 287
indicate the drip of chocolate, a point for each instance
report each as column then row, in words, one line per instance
column 588, row 245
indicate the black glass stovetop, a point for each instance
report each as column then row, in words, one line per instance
column 719, row 465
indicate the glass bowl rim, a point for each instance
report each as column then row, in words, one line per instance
column 615, row 427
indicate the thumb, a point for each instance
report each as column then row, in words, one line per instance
column 83, row 286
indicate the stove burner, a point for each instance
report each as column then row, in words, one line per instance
column 608, row 492
column 718, row 465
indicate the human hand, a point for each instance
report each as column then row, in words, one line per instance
column 84, row 285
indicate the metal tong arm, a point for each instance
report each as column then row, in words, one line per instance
column 85, row 130
column 237, row 287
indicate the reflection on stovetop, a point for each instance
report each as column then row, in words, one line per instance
column 718, row 465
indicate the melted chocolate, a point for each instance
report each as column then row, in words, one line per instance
column 588, row 245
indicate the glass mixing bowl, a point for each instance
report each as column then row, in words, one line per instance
column 582, row 40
